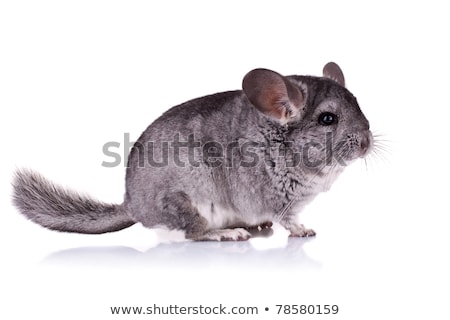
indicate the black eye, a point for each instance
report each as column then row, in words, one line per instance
column 327, row 118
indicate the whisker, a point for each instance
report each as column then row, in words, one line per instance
column 381, row 148
column 379, row 154
column 379, row 134
column 381, row 144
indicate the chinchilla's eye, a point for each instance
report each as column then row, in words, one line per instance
column 327, row 118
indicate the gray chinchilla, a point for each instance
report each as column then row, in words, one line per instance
column 216, row 166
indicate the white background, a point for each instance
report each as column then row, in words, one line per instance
column 77, row 74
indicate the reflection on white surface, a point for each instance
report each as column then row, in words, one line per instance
column 188, row 254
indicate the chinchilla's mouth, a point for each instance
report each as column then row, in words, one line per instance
column 356, row 145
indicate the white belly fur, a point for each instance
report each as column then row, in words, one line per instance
column 219, row 217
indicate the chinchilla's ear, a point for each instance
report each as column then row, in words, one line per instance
column 273, row 94
column 333, row 72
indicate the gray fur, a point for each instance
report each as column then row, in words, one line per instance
column 276, row 115
column 60, row 209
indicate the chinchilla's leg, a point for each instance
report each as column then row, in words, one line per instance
column 179, row 213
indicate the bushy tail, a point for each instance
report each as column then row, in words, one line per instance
column 57, row 208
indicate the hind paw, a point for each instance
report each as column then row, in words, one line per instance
column 262, row 226
column 238, row 234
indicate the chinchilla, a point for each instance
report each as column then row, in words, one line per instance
column 216, row 166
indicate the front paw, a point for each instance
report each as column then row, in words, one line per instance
column 300, row 231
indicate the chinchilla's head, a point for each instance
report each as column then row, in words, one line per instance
column 322, row 119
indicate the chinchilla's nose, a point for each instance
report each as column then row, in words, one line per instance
column 365, row 143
